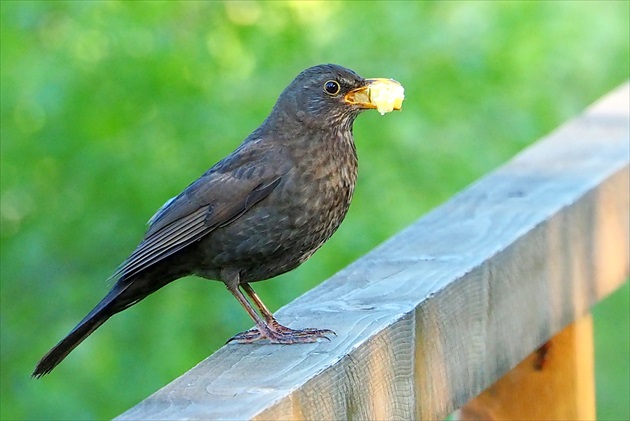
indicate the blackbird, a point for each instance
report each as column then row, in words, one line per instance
column 261, row 211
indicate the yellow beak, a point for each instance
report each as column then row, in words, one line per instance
column 385, row 95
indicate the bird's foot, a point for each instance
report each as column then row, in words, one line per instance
column 279, row 334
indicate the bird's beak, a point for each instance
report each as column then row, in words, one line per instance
column 383, row 94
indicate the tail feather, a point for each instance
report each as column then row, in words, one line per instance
column 99, row 315
column 126, row 292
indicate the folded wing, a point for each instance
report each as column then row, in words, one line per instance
column 214, row 200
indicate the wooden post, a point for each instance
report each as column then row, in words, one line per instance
column 556, row 382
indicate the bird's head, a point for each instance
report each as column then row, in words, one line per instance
column 331, row 94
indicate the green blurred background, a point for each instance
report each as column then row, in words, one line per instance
column 110, row 108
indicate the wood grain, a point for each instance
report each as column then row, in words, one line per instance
column 555, row 382
column 438, row 313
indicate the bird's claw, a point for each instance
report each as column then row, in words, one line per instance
column 279, row 334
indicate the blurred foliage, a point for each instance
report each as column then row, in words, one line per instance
column 110, row 108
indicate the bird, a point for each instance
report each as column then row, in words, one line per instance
column 261, row 211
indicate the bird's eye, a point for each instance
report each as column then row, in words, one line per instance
column 332, row 87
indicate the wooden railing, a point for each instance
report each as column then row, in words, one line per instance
column 481, row 304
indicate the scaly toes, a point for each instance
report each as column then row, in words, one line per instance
column 249, row 336
column 282, row 335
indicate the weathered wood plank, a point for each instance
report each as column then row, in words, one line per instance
column 555, row 382
column 439, row 312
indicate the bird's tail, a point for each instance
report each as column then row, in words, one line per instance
column 108, row 306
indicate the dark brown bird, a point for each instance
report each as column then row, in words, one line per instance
column 261, row 211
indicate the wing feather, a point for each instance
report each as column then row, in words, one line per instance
column 196, row 217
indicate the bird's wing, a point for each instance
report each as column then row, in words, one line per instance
column 214, row 200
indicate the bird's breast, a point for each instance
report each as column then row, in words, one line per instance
column 322, row 183
column 302, row 212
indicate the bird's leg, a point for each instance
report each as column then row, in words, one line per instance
column 272, row 322
column 270, row 329
column 261, row 306
column 260, row 323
